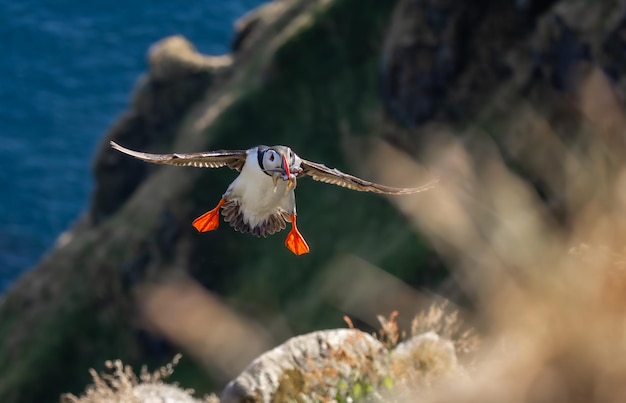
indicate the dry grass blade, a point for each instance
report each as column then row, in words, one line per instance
column 120, row 384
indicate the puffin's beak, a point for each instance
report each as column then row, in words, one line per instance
column 285, row 167
column 291, row 180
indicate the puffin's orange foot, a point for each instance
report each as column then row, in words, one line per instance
column 209, row 220
column 295, row 242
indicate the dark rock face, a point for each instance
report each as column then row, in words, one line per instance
column 440, row 56
column 614, row 47
column 564, row 53
column 422, row 55
column 444, row 63
column 443, row 58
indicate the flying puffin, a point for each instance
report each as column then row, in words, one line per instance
column 262, row 197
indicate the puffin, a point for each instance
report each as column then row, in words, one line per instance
column 262, row 199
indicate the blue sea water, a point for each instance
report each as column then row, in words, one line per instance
column 67, row 68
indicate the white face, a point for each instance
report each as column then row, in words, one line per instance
column 273, row 162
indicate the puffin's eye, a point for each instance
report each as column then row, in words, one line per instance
column 271, row 157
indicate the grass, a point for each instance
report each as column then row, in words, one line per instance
column 119, row 383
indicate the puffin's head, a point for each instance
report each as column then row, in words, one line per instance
column 281, row 162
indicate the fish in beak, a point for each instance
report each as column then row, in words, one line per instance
column 285, row 174
column 290, row 178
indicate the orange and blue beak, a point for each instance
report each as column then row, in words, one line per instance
column 291, row 179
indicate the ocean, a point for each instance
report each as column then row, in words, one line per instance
column 67, row 69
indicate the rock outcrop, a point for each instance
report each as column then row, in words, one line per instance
column 329, row 364
column 308, row 364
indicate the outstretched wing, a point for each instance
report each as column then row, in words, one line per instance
column 212, row 159
column 322, row 173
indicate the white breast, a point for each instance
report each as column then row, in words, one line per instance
column 255, row 192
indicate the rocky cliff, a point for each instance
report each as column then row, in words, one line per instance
column 333, row 79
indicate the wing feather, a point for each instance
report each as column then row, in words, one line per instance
column 322, row 173
column 212, row 159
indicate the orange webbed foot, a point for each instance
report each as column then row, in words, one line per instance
column 295, row 242
column 210, row 220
